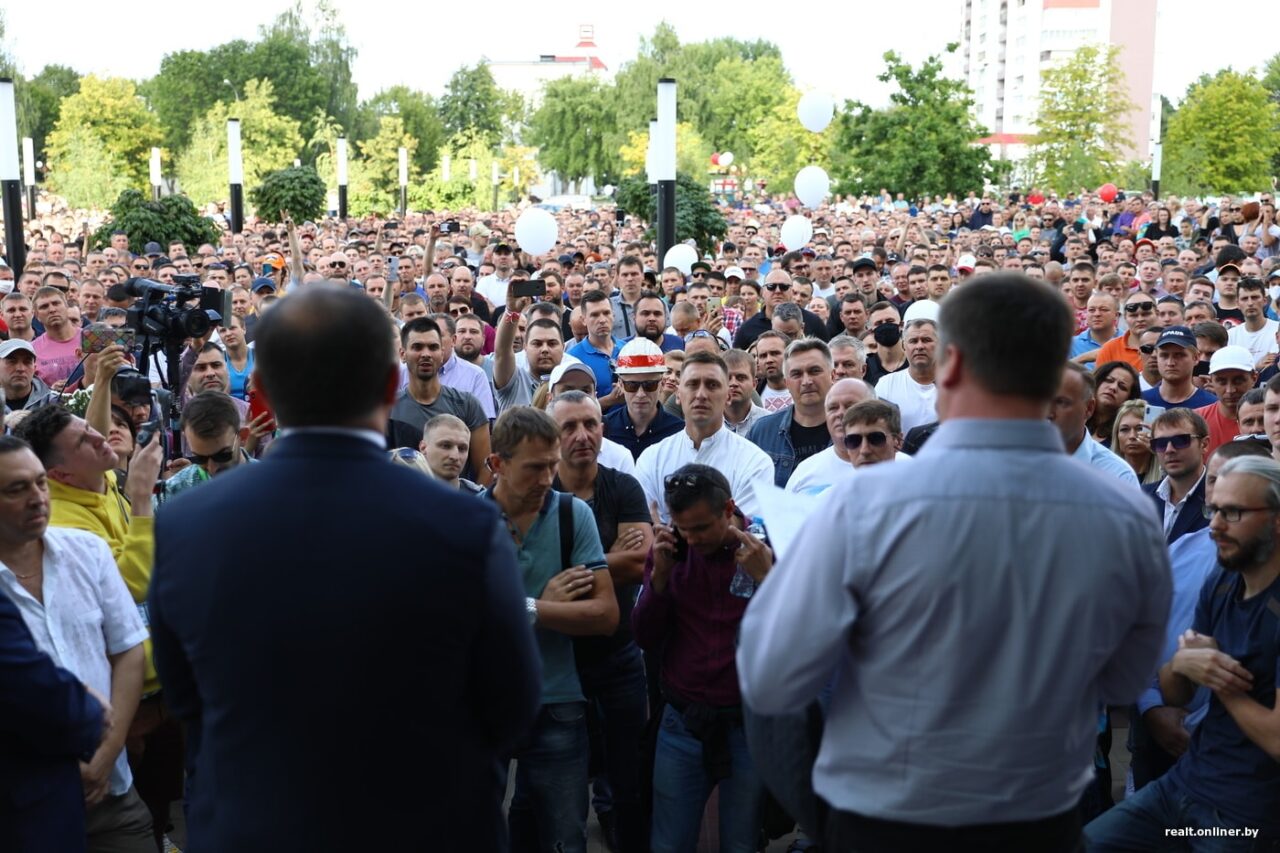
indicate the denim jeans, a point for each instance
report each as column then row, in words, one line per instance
column 615, row 688
column 549, row 807
column 681, row 787
column 1140, row 821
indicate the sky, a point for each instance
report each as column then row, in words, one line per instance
column 834, row 47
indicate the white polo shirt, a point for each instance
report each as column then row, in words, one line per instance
column 741, row 462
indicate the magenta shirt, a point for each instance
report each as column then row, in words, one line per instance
column 55, row 361
column 695, row 622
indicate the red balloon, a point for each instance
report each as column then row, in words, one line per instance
column 1035, row 198
column 715, row 159
column 1108, row 192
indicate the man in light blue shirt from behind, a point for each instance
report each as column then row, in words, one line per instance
column 1070, row 410
column 1009, row 589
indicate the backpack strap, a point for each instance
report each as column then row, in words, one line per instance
column 566, row 530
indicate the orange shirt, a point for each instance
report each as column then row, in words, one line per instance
column 1118, row 349
column 1221, row 428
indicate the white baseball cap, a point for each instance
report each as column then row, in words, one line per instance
column 1231, row 358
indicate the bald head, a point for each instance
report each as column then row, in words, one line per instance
column 843, row 395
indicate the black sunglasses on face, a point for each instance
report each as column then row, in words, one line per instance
column 1147, row 349
column 853, row 441
column 222, row 457
column 650, row 386
column 1181, row 441
column 778, row 286
column 1140, row 308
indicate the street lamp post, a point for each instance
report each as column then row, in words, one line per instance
column 664, row 161
column 342, row 177
column 404, row 182
column 235, row 172
column 10, row 185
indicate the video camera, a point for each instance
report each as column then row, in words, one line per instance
column 164, row 312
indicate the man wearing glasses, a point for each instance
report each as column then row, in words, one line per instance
column 643, row 421
column 777, row 290
column 1139, row 314
column 211, row 434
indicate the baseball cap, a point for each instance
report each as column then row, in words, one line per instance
column 565, row 260
column 1144, row 240
column 732, row 271
column 564, row 367
column 13, row 345
column 966, row 262
column 152, row 250
column 504, row 248
column 1231, row 267
column 863, row 263
column 700, row 265
column 921, row 309
column 640, row 355
column 1177, row 335
column 1230, row 358
column 263, row 283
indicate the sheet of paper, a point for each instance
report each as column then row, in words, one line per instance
column 784, row 514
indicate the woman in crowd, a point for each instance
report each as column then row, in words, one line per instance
column 1117, row 383
column 1131, row 441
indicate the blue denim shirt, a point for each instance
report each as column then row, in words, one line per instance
column 772, row 434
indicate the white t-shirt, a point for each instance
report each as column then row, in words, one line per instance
column 775, row 401
column 1258, row 343
column 823, row 470
column 916, row 402
column 493, row 288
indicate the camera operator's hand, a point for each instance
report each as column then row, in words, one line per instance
column 144, row 470
column 110, row 360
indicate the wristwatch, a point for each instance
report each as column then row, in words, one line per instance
column 531, row 607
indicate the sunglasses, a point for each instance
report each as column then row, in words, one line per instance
column 1140, row 308
column 685, row 481
column 777, row 285
column 459, row 312
column 649, row 385
column 1181, row 441
column 337, row 266
column 853, row 441
column 141, row 267
column 1147, row 349
column 222, row 457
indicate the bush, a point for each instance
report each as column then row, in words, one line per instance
column 697, row 217
column 298, row 190
column 172, row 218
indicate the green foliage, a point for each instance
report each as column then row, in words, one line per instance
column 922, row 143
column 91, row 176
column 297, row 190
column 783, row 146
column 1082, row 133
column 742, row 94
column 110, row 110
column 269, row 141
column 697, row 216
column 572, row 126
column 693, row 153
column 421, row 121
column 43, row 101
column 381, row 162
column 473, row 102
column 1223, row 138
column 190, row 82
column 172, row 218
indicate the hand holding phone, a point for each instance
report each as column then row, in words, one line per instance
column 96, row 337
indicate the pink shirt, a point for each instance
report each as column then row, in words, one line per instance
column 54, row 360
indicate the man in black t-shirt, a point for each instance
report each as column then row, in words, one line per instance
column 610, row 668
column 425, row 397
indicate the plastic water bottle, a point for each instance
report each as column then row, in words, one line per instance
column 742, row 584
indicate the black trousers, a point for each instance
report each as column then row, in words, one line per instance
column 852, row 833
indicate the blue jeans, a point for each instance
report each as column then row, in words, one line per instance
column 549, row 807
column 1140, row 821
column 616, row 689
column 681, row 787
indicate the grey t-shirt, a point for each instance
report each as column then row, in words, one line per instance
column 408, row 416
column 518, row 391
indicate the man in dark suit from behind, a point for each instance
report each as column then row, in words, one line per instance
column 368, row 659
column 49, row 722
column 1179, row 439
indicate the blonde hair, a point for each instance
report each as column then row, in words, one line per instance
column 1154, row 472
column 410, row 458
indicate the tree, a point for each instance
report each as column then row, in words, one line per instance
column 783, row 146
column 421, row 120
column 571, row 128
column 472, row 101
column 697, row 217
column 89, row 176
column 1223, row 137
column 190, row 82
column 330, row 57
column 44, row 94
column 741, row 94
column 172, row 218
column 922, row 143
column 1271, row 77
column 381, row 156
column 297, row 190
column 269, row 141
column 1082, row 132
column 693, row 153
column 111, row 110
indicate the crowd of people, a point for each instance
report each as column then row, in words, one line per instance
column 981, row 390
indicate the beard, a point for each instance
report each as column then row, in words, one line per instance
column 1250, row 553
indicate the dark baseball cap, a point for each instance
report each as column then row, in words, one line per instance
column 263, row 283
column 1179, row 335
column 863, row 263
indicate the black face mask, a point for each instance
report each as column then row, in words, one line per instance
column 887, row 334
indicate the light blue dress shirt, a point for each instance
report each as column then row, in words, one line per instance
column 1092, row 453
column 974, row 613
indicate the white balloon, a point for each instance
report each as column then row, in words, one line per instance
column 797, row 231
column 536, row 231
column 726, row 159
column 681, row 256
column 815, row 110
column 812, row 185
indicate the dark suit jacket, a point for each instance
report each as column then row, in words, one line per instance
column 1190, row 517
column 359, row 657
column 48, row 722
